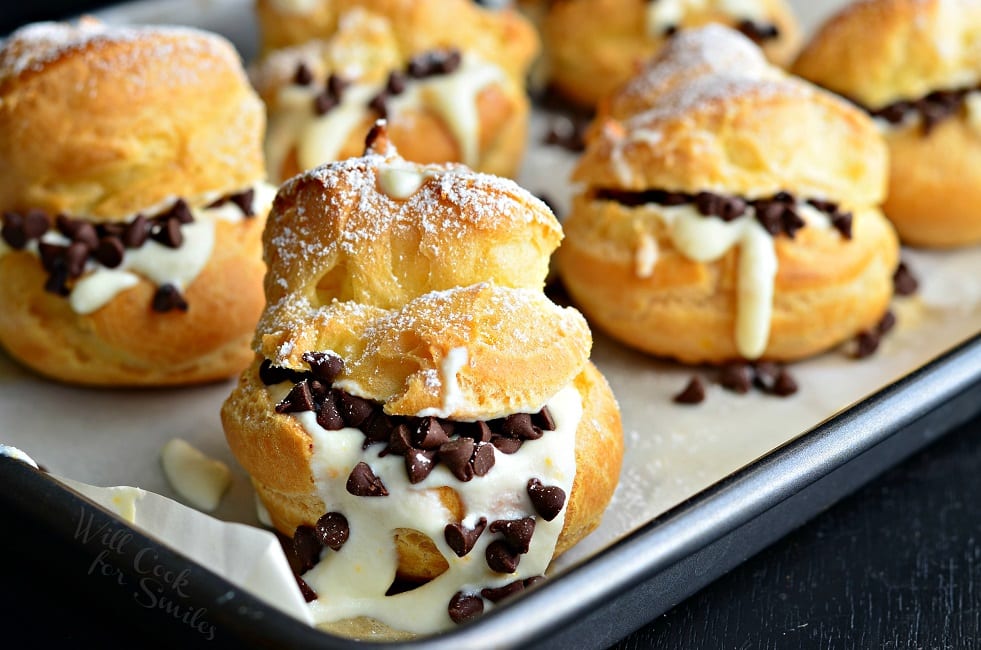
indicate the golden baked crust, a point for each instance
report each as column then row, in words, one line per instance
column 733, row 126
column 503, row 37
column 103, row 122
column 880, row 52
column 588, row 58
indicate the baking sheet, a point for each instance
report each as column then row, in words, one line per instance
column 673, row 452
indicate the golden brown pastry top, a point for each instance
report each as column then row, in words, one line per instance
column 881, row 51
column 504, row 38
column 734, row 125
column 394, row 266
column 103, row 122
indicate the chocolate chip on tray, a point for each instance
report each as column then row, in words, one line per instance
column 784, row 385
column 461, row 539
column 362, row 482
column 179, row 211
column 693, row 393
column 517, row 532
column 464, row 607
column 736, row 376
column 501, row 557
column 903, row 281
column 307, row 546
column 547, row 500
column 333, row 530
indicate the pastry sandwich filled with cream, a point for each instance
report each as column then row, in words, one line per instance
column 729, row 211
column 418, row 414
column 915, row 66
column 448, row 76
column 133, row 201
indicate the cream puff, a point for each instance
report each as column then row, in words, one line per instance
column 729, row 211
column 914, row 66
column 593, row 46
column 447, row 76
column 418, row 412
column 133, row 204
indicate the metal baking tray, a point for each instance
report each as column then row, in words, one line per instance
column 703, row 489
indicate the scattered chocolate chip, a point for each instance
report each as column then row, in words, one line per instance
column 336, row 85
column 136, row 232
column 464, row 607
column 903, row 281
column 244, row 200
column 842, row 222
column 483, row 458
column 303, row 75
column 693, row 393
column 765, row 375
column 886, row 324
column 298, row 400
column 309, row 595
column 168, row 232
column 519, row 425
column 544, row 420
column 355, row 410
column 13, row 230
column 75, row 258
column 333, row 530
column 323, row 102
column 109, row 252
column 498, row 594
column 400, row 442
column 517, row 532
column 501, row 557
column 456, row 455
column 547, row 500
column 396, row 83
column 736, row 376
column 419, row 464
column 784, row 385
column 362, row 482
column 429, row 434
column 461, row 539
column 506, row 445
column 758, row 32
column 181, row 212
column 866, row 344
column 379, row 104
column 307, row 547
column 329, row 415
column 325, row 366
column 791, row 222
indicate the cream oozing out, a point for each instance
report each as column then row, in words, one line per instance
column 352, row 582
column 706, row 239
column 665, row 14
column 319, row 138
column 154, row 261
column 451, row 397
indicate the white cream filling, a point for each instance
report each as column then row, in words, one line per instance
column 319, row 138
column 706, row 239
column 401, row 181
column 352, row 582
column 450, row 394
column 154, row 261
column 200, row 480
column 664, row 14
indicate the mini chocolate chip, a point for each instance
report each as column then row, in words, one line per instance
column 136, row 232
column 429, row 434
column 323, row 102
column 732, row 208
column 400, row 442
column 693, row 393
column 362, row 482
column 670, row 31
column 181, row 212
column 396, row 83
column 708, row 204
column 379, row 104
column 501, row 557
column 270, row 374
column 479, row 431
column 497, row 594
column 517, row 532
column 464, row 607
column 309, row 595
column 14, row 231
column 548, row 500
column 333, row 530
column 336, row 85
column 461, row 539
column 765, row 375
column 244, row 200
column 736, row 376
column 519, row 425
column 785, row 197
column 328, row 415
column 456, row 455
column 52, row 256
column 829, row 207
column 325, row 366
column 85, row 234
column 420, row 66
column 355, row 410
column 298, row 400
column 168, row 232
column 842, row 222
column 893, row 113
column 307, row 546
column 419, row 464
column 506, row 445
column 903, row 281
column 758, row 32
column 544, row 420
column 376, row 131
column 303, row 75
column 791, row 222
column 36, row 223
column 483, row 458
column 57, row 282
column 785, row 384
column 75, row 258
column 866, row 343
column 769, row 214
column 887, row 323
column 377, row 428
column 109, row 252
column 448, row 61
